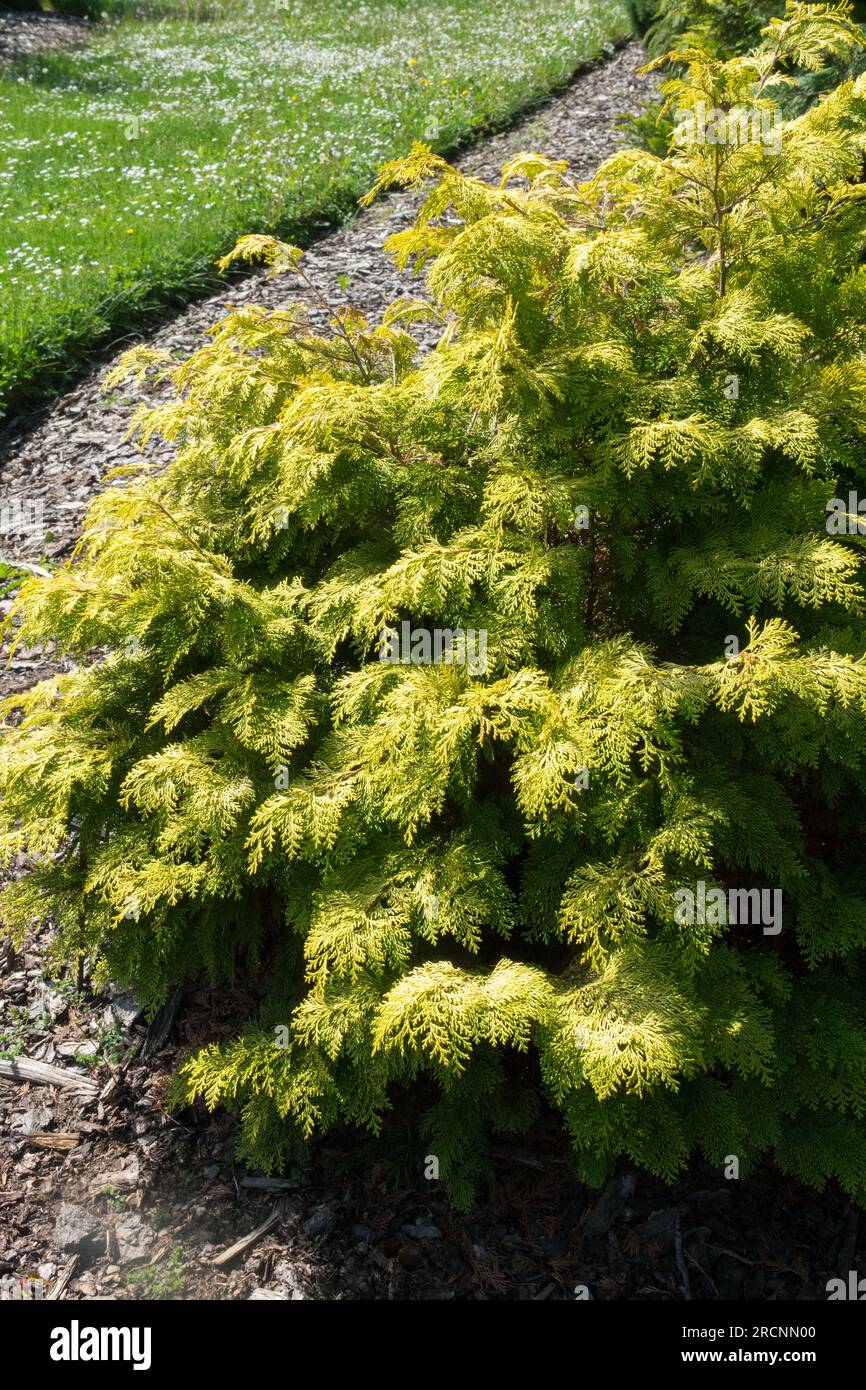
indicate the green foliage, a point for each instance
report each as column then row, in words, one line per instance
column 726, row 27
column 11, row 578
column 13, row 1031
column 464, row 881
column 641, row 14
column 163, row 1281
column 77, row 7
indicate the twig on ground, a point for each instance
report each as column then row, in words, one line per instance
column 273, row 1184
column 118, row 1074
column 241, row 1246
column 56, row 1140
column 24, row 1069
column 63, row 1279
column 681, row 1264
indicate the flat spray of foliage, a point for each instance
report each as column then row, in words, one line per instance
column 727, row 27
column 438, row 893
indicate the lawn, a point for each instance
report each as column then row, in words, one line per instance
column 128, row 165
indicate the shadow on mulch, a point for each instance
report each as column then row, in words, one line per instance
column 534, row 1233
column 145, row 1202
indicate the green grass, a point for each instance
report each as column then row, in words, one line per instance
column 127, row 166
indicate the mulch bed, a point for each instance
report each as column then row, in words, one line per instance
column 22, row 33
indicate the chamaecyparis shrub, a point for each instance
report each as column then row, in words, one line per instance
column 606, row 853
column 726, row 26
column 723, row 27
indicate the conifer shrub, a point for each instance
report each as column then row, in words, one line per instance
column 728, row 27
column 590, row 836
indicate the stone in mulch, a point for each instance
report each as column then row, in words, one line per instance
column 78, row 1231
